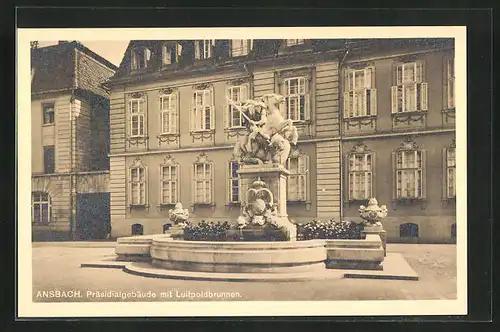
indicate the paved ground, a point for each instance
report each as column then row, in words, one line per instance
column 56, row 267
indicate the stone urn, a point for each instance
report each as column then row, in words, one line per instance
column 372, row 214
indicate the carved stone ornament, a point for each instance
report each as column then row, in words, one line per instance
column 239, row 81
column 202, row 86
column 260, row 207
column 372, row 214
column 202, row 159
column 453, row 144
column 169, row 161
column 298, row 72
column 409, row 144
column 136, row 95
column 137, row 163
column 167, row 91
column 360, row 147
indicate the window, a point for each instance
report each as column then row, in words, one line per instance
column 233, row 117
column 137, row 229
column 168, row 113
column 233, row 182
column 410, row 92
column 140, row 58
column 203, row 49
column 296, row 98
column 408, row 230
column 360, row 175
column 136, row 116
column 241, row 47
column 360, row 99
column 202, row 182
column 169, row 180
column 294, row 42
column 202, row 112
column 48, row 159
column 410, row 167
column 41, row 208
column 171, row 53
column 297, row 181
column 450, row 172
column 48, row 113
column 450, row 83
column 137, row 184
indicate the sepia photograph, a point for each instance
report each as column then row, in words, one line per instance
column 162, row 173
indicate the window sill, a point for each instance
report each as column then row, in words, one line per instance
column 409, row 201
column 52, row 124
column 360, row 117
column 300, row 202
column 234, row 128
column 301, row 122
column 168, row 134
column 409, row 113
column 138, row 207
column 449, row 200
column 202, row 205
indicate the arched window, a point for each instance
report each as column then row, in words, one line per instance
column 41, row 208
column 408, row 230
column 454, row 232
column 137, row 229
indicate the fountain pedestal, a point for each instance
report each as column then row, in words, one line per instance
column 275, row 177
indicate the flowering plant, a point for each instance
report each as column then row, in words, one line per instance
column 206, row 231
column 331, row 229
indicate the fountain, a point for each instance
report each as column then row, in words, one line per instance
column 262, row 154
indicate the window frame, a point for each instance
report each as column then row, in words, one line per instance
column 230, row 183
column 172, row 112
column 304, row 161
column 195, row 111
column 228, row 109
column 418, row 171
column 52, row 114
column 246, row 47
column 286, row 89
column 294, row 42
column 367, row 91
column 135, row 56
column 172, row 181
column 140, row 115
column 446, row 173
column 40, row 202
column 418, row 84
column 204, row 49
column 366, row 172
column 143, row 200
column 208, row 200
column 450, row 84
column 169, row 48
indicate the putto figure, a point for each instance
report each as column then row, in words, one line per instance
column 178, row 215
column 269, row 136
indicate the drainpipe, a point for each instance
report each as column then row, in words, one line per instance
column 72, row 225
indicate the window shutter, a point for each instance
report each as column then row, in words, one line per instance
column 346, row 105
column 227, row 115
column 197, row 49
column 347, row 77
column 147, row 56
column 307, row 110
column 160, row 176
column 134, row 59
column 193, row 184
column 177, row 112
column 192, row 113
column 445, row 173
column 178, row 47
column 307, row 193
column 130, row 195
column 347, row 177
column 243, row 93
column 212, row 182
column 395, row 176
column 364, row 107
column 250, row 45
column 228, row 182
column 399, row 74
column 419, row 72
column 212, row 109
column 368, row 77
column 373, row 172
column 423, row 96
column 424, row 174
column 373, row 101
column 394, row 99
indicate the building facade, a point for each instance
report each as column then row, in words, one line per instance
column 355, row 104
column 70, row 142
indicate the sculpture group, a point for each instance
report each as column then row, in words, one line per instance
column 270, row 136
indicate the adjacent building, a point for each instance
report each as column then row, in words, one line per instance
column 375, row 118
column 70, row 142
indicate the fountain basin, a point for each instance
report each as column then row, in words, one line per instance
column 135, row 248
column 238, row 257
column 364, row 254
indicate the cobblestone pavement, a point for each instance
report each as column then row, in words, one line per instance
column 56, row 267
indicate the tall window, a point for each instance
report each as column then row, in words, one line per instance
column 360, row 98
column 140, row 58
column 233, row 116
column 450, row 173
column 48, row 159
column 233, row 182
column 296, row 98
column 41, row 208
column 48, row 113
column 138, row 185
column 409, row 170
column 169, row 180
column 202, row 112
column 168, row 113
column 203, row 182
column 360, row 175
column 450, row 83
column 240, row 47
column 136, row 116
column 171, row 53
column 297, row 181
column 410, row 92
column 294, row 42
column 203, row 49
